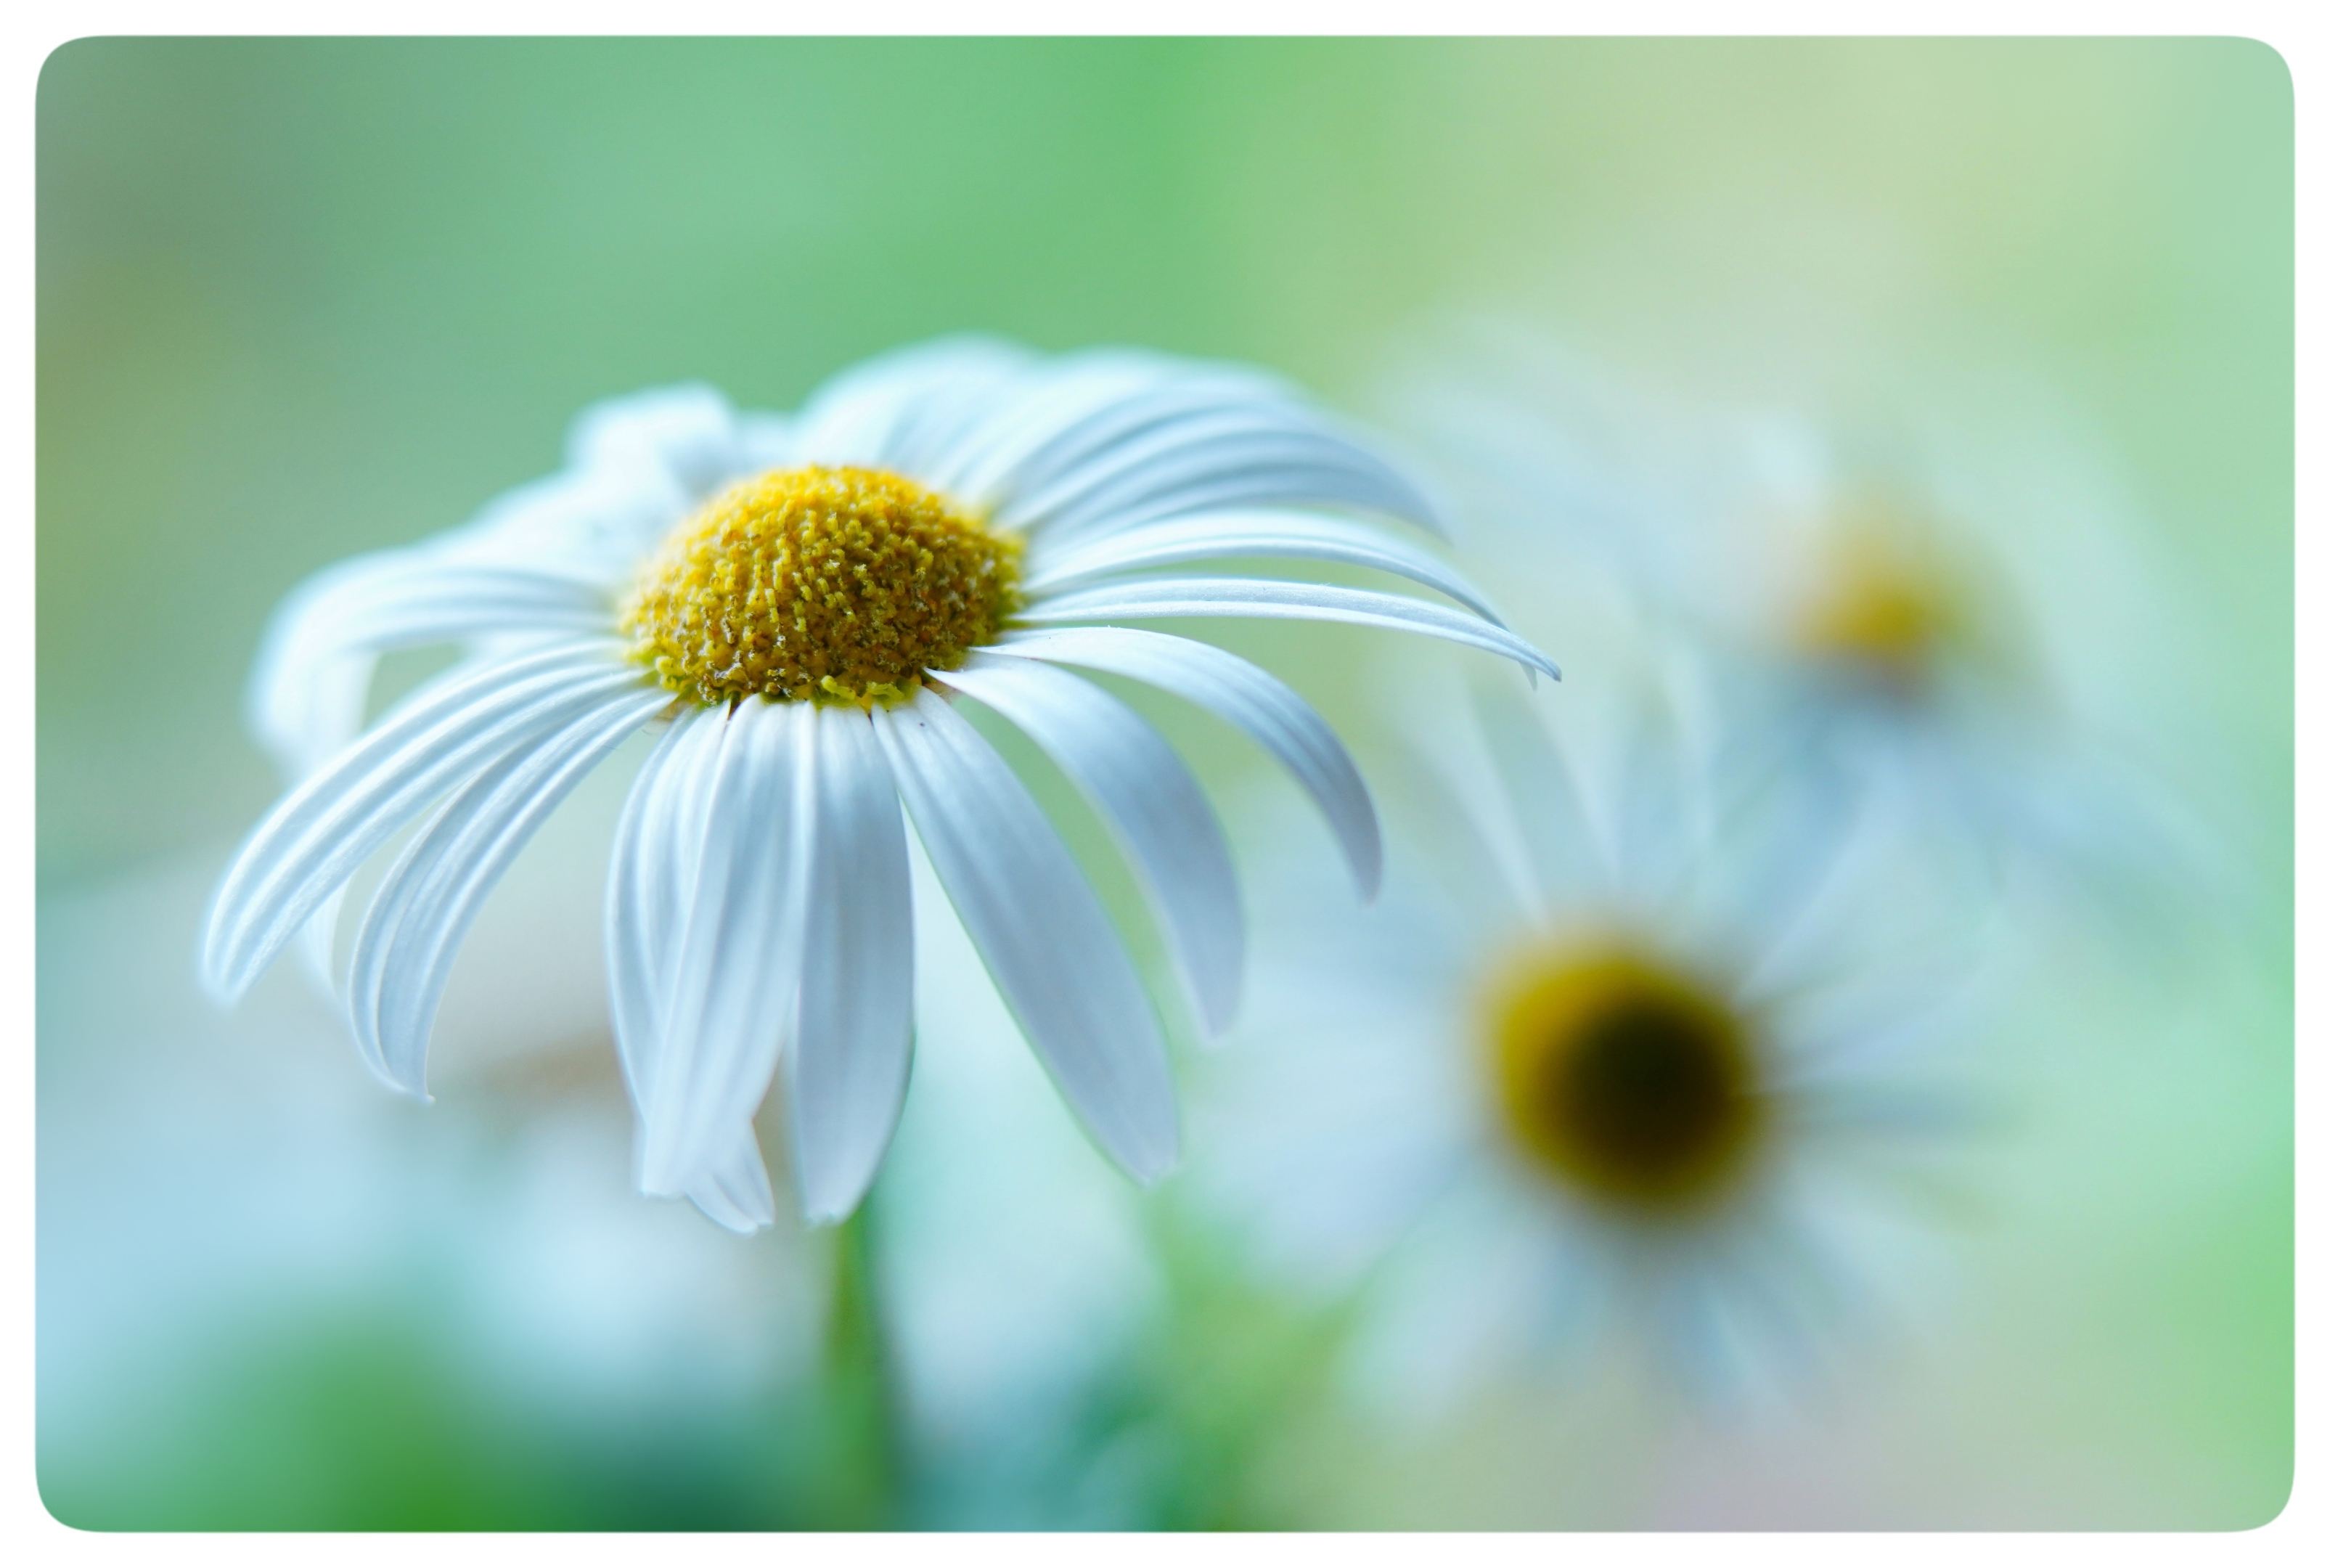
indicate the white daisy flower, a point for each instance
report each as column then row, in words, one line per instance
column 802, row 599
column 1619, row 1053
column 1939, row 616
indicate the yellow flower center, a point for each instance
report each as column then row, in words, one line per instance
column 1624, row 1079
column 837, row 584
column 1884, row 610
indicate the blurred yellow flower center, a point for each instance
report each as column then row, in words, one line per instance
column 1624, row 1079
column 835, row 584
column 1881, row 612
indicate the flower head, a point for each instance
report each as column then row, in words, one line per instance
column 798, row 604
column 1937, row 610
column 1620, row 1052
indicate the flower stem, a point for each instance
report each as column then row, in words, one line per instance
column 861, row 1398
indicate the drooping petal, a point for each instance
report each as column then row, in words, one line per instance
column 1214, row 535
column 329, row 730
column 732, row 1188
column 736, row 974
column 649, row 887
column 644, row 907
column 318, row 834
column 1539, row 788
column 849, row 1066
column 1164, row 598
column 405, row 947
column 1256, row 701
column 318, row 939
column 1045, row 937
column 1146, row 794
column 306, row 696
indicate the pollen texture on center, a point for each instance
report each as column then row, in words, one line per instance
column 831, row 584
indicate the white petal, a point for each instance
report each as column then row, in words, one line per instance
column 643, row 907
column 733, row 1188
column 647, row 892
column 1058, row 415
column 1058, row 411
column 1202, row 440
column 1252, row 699
column 1539, row 791
column 1165, row 597
column 404, row 949
column 848, row 1069
column 763, row 442
column 735, row 974
column 317, row 938
column 593, row 523
column 883, row 411
column 1790, row 814
column 1214, row 465
column 306, row 696
column 319, row 833
column 1147, row 795
column 1045, row 937
column 688, row 433
column 1275, row 534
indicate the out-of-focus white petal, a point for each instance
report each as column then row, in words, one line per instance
column 688, row 432
column 1275, row 534
column 1158, row 810
column 736, row 970
column 888, row 410
column 1563, row 844
column 1042, row 932
column 404, row 949
column 318, row 834
column 1252, row 699
column 763, row 442
column 594, row 523
column 1163, row 598
column 847, row 1068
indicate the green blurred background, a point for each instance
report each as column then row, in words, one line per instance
column 299, row 299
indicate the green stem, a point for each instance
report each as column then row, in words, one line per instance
column 861, row 1400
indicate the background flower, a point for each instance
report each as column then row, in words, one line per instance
column 1947, row 602
column 1637, row 1055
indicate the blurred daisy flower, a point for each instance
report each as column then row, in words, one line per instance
column 798, row 602
column 1638, row 1046
column 1963, row 629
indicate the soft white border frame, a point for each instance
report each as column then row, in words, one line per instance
column 2293, row 28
